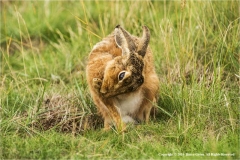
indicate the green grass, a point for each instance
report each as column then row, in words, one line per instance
column 46, row 109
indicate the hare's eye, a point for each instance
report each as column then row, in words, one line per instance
column 121, row 76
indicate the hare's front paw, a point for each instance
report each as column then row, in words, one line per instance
column 97, row 83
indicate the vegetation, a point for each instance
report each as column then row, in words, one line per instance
column 46, row 109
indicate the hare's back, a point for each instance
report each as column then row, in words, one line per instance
column 103, row 52
column 106, row 47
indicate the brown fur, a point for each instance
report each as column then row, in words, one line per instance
column 122, row 52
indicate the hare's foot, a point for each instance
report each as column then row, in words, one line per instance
column 127, row 119
column 97, row 83
column 114, row 123
column 119, row 127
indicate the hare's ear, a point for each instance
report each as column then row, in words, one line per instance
column 143, row 44
column 124, row 40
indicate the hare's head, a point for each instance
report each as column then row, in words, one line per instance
column 124, row 73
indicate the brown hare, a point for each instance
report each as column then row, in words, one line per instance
column 122, row 78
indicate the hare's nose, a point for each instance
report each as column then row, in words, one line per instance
column 141, row 80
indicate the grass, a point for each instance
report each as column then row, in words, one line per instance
column 46, row 109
